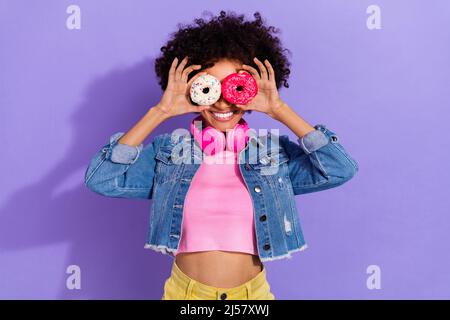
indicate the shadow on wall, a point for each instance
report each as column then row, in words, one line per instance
column 106, row 235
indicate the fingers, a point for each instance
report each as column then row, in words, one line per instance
column 271, row 71
column 172, row 71
column 262, row 68
column 252, row 71
column 180, row 68
column 178, row 74
column 195, row 77
column 188, row 70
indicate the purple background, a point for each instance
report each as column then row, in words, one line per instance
column 384, row 92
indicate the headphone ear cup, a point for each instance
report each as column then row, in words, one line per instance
column 230, row 140
column 213, row 141
column 209, row 138
column 236, row 139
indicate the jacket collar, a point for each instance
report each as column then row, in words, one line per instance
column 256, row 146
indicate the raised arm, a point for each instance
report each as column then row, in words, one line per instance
column 124, row 168
column 318, row 161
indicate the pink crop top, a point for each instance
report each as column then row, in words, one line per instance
column 218, row 209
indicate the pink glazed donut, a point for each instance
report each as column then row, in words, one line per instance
column 239, row 88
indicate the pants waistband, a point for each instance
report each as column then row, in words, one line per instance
column 211, row 292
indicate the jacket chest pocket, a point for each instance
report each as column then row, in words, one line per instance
column 272, row 163
column 166, row 169
column 273, row 168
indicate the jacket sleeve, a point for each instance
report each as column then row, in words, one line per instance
column 123, row 171
column 318, row 161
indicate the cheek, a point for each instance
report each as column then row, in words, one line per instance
column 205, row 114
column 208, row 117
column 240, row 115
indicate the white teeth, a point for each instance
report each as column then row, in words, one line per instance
column 223, row 115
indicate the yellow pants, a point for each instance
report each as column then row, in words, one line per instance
column 179, row 286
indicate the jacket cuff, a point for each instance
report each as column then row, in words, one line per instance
column 313, row 140
column 122, row 153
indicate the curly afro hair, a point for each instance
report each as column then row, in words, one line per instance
column 225, row 36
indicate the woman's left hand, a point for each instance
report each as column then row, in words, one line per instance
column 267, row 99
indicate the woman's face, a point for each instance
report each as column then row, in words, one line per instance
column 220, row 70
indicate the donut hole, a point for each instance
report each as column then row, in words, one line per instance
column 239, row 88
column 205, row 90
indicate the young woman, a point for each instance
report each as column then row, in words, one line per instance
column 220, row 220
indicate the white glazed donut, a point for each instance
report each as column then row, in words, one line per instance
column 205, row 90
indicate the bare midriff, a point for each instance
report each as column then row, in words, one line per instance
column 223, row 269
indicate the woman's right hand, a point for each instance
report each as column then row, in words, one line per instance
column 175, row 100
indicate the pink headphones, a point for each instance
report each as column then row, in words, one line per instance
column 212, row 140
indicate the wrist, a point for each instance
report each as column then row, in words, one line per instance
column 279, row 110
column 158, row 112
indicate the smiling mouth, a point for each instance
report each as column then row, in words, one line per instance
column 223, row 116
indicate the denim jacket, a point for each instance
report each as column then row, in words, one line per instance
column 273, row 167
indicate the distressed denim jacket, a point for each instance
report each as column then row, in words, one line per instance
column 273, row 167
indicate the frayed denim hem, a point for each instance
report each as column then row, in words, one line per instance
column 161, row 248
column 172, row 252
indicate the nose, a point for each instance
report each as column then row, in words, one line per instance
column 223, row 104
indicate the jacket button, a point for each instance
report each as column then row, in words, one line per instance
column 257, row 189
column 223, row 296
column 266, row 247
column 263, row 218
